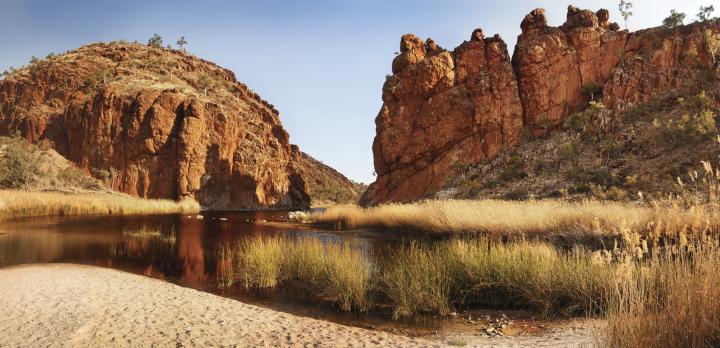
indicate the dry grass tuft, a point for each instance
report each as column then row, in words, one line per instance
column 20, row 204
column 338, row 271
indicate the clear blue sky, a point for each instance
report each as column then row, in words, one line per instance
column 321, row 63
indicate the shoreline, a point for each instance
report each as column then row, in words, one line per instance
column 80, row 305
column 77, row 305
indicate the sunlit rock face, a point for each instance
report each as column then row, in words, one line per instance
column 467, row 105
column 158, row 123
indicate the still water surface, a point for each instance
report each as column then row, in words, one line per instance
column 187, row 256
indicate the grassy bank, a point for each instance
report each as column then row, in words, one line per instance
column 550, row 220
column 21, row 204
column 653, row 291
column 337, row 271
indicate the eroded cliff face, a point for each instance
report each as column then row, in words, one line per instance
column 468, row 105
column 441, row 107
column 157, row 123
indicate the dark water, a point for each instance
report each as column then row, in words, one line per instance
column 185, row 254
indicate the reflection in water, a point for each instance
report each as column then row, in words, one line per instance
column 190, row 251
column 179, row 248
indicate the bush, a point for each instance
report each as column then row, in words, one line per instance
column 155, row 41
column 675, row 19
column 696, row 122
column 19, row 163
column 592, row 90
column 514, row 168
column 98, row 78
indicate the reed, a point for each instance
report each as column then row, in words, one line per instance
column 564, row 222
column 339, row 272
column 669, row 300
column 21, row 204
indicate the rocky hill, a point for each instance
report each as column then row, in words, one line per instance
column 326, row 185
column 447, row 111
column 160, row 123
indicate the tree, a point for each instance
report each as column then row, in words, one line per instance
column 674, row 19
column 181, row 42
column 207, row 82
column 625, row 8
column 155, row 41
column 713, row 43
column 705, row 13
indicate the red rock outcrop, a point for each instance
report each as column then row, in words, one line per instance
column 659, row 60
column 157, row 123
column 441, row 107
column 553, row 64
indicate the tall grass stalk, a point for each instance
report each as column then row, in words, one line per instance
column 670, row 300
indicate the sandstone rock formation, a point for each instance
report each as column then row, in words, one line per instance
column 467, row 105
column 157, row 123
column 554, row 64
column 441, row 107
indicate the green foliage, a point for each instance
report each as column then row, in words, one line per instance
column 208, row 82
column 25, row 167
column 583, row 122
column 514, row 168
column 705, row 13
column 155, row 41
column 625, row 8
column 596, row 176
column 675, row 19
column 461, row 168
column 34, row 60
column 74, row 177
column 712, row 41
column 696, row 122
column 98, row 78
column 544, row 123
column 181, row 42
column 19, row 163
column 568, row 151
column 592, row 90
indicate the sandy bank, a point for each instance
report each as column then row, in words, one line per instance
column 82, row 306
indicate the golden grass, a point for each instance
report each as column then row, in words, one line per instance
column 671, row 300
column 336, row 270
column 665, row 294
column 21, row 204
column 477, row 271
column 547, row 219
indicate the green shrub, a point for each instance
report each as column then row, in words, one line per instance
column 592, row 90
column 514, row 168
column 19, row 163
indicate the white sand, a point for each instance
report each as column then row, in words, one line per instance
column 81, row 306
column 63, row 305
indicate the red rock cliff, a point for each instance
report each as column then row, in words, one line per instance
column 467, row 105
column 157, row 123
